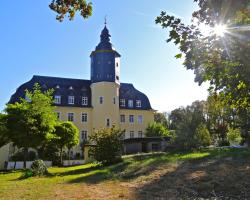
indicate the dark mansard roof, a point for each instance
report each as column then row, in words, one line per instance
column 79, row 88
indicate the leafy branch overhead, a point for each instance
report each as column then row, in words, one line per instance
column 70, row 8
column 216, row 46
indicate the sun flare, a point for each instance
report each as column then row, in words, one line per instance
column 219, row 30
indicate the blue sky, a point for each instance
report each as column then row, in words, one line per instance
column 32, row 42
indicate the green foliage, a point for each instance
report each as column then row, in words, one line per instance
column 156, row 130
column 4, row 138
column 202, row 136
column 18, row 156
column 223, row 61
column 30, row 123
column 234, row 135
column 38, row 168
column 162, row 119
column 108, row 145
column 66, row 135
column 70, row 7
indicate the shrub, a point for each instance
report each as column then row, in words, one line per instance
column 156, row 129
column 38, row 168
column 108, row 144
column 234, row 136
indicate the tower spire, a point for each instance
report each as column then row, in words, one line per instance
column 105, row 20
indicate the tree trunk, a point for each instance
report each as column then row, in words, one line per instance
column 61, row 156
column 25, row 152
column 69, row 154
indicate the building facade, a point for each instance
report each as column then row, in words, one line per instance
column 99, row 102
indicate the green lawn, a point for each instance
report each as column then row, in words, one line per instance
column 204, row 173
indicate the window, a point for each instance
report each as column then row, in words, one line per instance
column 140, row 134
column 71, row 99
column 138, row 103
column 117, row 78
column 84, row 117
column 117, row 64
column 71, row 117
column 140, row 119
column 122, row 118
column 122, row 102
column 130, row 103
column 108, row 123
column 57, row 99
column 84, row 135
column 131, row 118
column 131, row 134
column 58, row 114
column 101, row 100
column 84, row 101
column 114, row 100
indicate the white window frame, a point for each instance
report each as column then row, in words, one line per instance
column 101, row 99
column 73, row 117
column 84, row 135
column 140, row 134
column 57, row 99
column 71, row 100
column 130, row 119
column 130, row 103
column 140, row 119
column 131, row 134
column 122, row 102
column 84, row 101
column 138, row 103
column 84, row 117
column 122, row 121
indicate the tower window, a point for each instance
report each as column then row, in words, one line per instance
column 117, row 78
column 114, row 100
column 122, row 102
column 138, row 103
column 117, row 64
column 108, row 123
column 84, row 135
column 84, row 117
column 122, row 118
column 101, row 100
column 130, row 103
column 71, row 100
column 71, row 117
column 57, row 99
column 131, row 119
column 132, row 134
column 84, row 101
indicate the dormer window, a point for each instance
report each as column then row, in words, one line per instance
column 130, row 103
column 57, row 99
column 71, row 100
column 84, row 101
column 138, row 103
column 71, row 88
column 101, row 100
column 57, row 87
column 122, row 102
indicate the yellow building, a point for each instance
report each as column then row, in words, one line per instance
column 99, row 102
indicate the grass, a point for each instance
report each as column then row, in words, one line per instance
column 175, row 175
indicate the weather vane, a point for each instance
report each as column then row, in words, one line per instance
column 105, row 20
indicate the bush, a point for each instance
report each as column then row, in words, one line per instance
column 38, row 168
column 234, row 136
column 156, row 130
column 202, row 136
column 108, row 144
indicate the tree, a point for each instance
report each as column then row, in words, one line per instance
column 4, row 138
column 66, row 135
column 31, row 122
column 220, row 54
column 162, row 119
column 70, row 7
column 202, row 136
column 108, row 145
column 156, row 130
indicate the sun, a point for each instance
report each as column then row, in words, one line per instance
column 219, row 30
